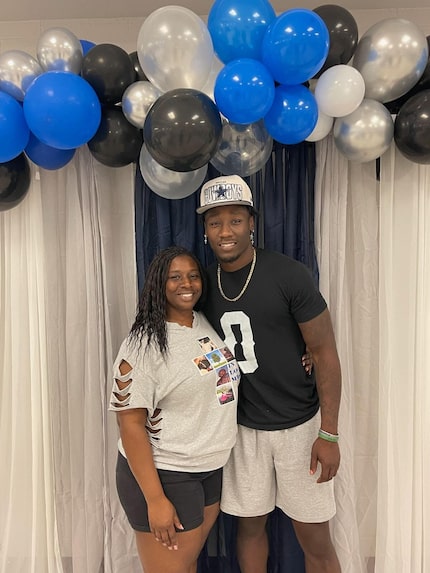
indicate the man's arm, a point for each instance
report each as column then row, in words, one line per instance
column 319, row 338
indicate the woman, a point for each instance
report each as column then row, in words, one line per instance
column 170, row 459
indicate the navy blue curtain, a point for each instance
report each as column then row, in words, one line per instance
column 284, row 197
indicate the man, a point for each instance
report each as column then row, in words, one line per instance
column 266, row 307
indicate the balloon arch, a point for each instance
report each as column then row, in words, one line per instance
column 194, row 93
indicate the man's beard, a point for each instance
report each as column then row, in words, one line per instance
column 227, row 258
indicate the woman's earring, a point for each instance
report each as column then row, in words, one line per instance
column 251, row 236
column 205, row 239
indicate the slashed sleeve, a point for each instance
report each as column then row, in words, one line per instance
column 136, row 388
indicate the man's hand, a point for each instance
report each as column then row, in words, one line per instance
column 328, row 455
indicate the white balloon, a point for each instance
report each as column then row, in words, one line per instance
column 322, row 128
column 166, row 183
column 339, row 90
column 175, row 49
column 137, row 100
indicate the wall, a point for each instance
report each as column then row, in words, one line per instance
column 124, row 31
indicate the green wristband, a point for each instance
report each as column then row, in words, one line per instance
column 334, row 438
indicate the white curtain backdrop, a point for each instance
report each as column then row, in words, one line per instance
column 346, row 232
column 68, row 296
column 373, row 250
column 403, row 540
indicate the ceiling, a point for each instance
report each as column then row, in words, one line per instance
column 55, row 10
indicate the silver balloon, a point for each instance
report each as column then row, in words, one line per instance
column 391, row 56
column 243, row 149
column 209, row 86
column 58, row 49
column 175, row 49
column 366, row 133
column 136, row 101
column 166, row 183
column 17, row 70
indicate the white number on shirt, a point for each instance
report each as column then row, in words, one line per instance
column 240, row 319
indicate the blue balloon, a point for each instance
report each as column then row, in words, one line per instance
column 86, row 46
column 45, row 156
column 237, row 27
column 293, row 115
column 295, row 46
column 62, row 110
column 244, row 91
column 14, row 132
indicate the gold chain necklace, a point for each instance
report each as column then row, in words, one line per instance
column 245, row 286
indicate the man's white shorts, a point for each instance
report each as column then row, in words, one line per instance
column 271, row 468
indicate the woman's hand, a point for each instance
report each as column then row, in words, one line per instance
column 162, row 517
column 307, row 362
column 164, row 522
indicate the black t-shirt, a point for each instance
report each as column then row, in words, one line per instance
column 262, row 328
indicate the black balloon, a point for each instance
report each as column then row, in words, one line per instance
column 422, row 84
column 182, row 129
column 140, row 74
column 117, row 142
column 14, row 182
column 343, row 33
column 412, row 128
column 109, row 70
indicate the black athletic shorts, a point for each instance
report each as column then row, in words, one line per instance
column 189, row 492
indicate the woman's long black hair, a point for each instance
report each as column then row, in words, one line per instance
column 152, row 308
